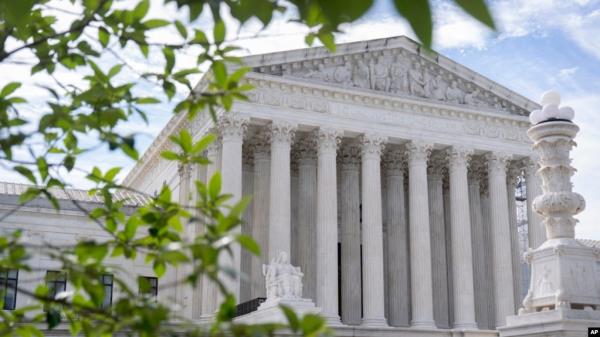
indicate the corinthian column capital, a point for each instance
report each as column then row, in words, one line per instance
column 394, row 161
column 498, row 161
column 282, row 132
column 372, row 144
column 418, row 151
column 328, row 139
column 213, row 148
column 232, row 126
column 459, row 155
column 184, row 171
column 349, row 156
column 306, row 148
column 438, row 165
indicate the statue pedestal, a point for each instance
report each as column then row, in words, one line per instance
column 564, row 293
column 270, row 312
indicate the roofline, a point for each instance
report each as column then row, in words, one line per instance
column 312, row 53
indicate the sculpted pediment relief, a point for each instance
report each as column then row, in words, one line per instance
column 398, row 72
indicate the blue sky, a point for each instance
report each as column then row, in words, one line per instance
column 539, row 45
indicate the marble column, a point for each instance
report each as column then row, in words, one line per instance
column 327, row 226
column 247, row 188
column 261, row 148
column 307, row 214
column 536, row 230
column 488, row 252
column 462, row 255
column 448, row 235
column 350, row 234
column 511, row 184
column 199, row 174
column 232, row 128
column 184, row 291
column 478, row 246
column 435, row 173
column 501, row 245
column 372, row 232
column 280, row 204
column 210, row 289
column 397, row 238
column 420, row 241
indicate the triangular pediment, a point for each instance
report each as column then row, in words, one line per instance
column 397, row 67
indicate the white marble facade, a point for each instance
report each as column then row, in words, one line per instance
column 405, row 160
column 387, row 176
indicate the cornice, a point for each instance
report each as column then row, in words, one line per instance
column 309, row 89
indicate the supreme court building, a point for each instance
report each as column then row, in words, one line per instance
column 387, row 174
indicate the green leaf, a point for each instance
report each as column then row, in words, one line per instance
column 103, row 36
column 479, row 10
column 339, row 11
column 214, row 186
column 249, row 244
column 16, row 13
column 170, row 58
column 25, row 172
column 112, row 173
column 159, row 268
column 327, row 39
column 155, row 23
column 291, row 317
column 220, row 73
column 141, row 9
column 219, row 32
column 181, row 28
column 69, row 162
column 418, row 14
column 169, row 155
column 9, row 88
column 115, row 70
column 203, row 143
column 53, row 318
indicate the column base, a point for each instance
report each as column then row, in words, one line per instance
column 466, row 326
column 423, row 325
column 206, row 319
column 374, row 323
column 332, row 320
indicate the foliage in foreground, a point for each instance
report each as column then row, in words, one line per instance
column 78, row 118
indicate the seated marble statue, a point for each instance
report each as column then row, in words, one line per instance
column 282, row 279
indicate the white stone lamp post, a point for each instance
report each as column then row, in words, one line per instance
column 564, row 293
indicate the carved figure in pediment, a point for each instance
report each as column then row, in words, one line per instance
column 321, row 73
column 360, row 75
column 473, row 98
column 415, row 84
column 454, row 94
column 428, row 83
column 379, row 74
column 399, row 76
column 343, row 73
column 439, row 87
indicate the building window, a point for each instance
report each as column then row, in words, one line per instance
column 8, row 288
column 56, row 281
column 107, row 283
column 148, row 286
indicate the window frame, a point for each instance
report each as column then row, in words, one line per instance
column 54, row 290
column 153, row 289
column 5, row 279
column 106, row 285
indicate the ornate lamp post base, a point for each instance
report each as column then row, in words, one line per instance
column 564, row 292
